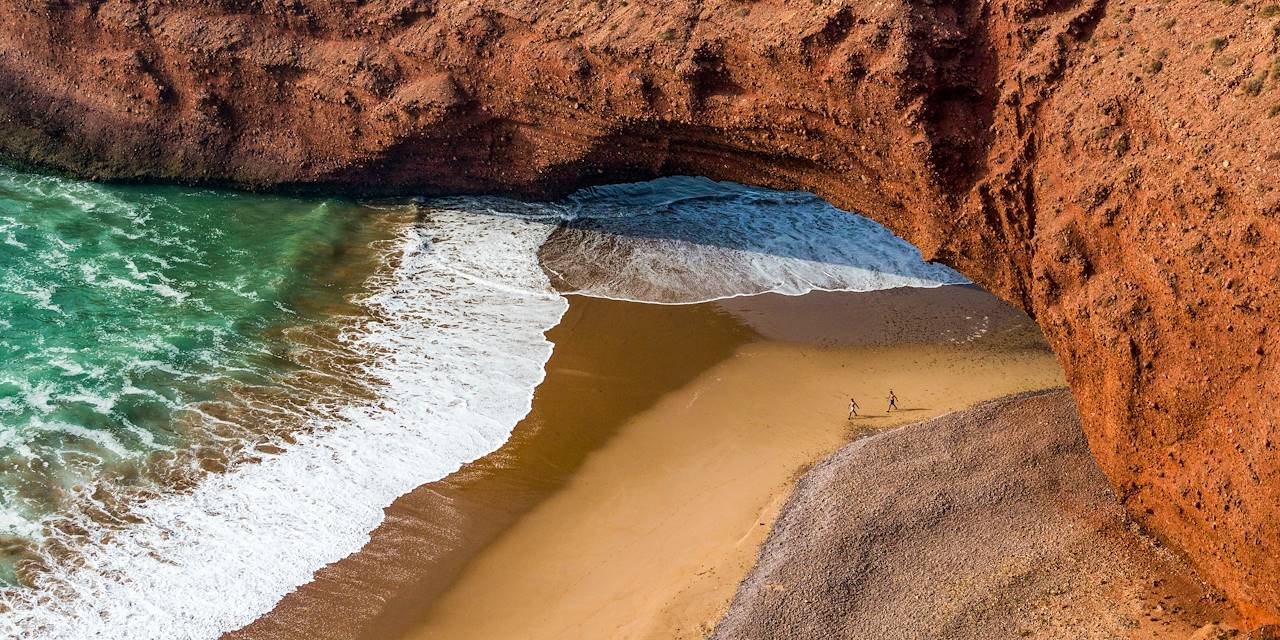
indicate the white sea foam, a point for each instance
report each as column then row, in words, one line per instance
column 456, row 348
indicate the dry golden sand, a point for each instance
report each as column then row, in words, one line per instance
column 651, row 535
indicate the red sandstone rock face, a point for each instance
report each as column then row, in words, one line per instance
column 1109, row 166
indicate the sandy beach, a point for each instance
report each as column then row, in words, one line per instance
column 651, row 536
column 633, row 499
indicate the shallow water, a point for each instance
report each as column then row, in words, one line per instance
column 200, row 384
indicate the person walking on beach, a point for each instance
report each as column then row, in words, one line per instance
column 893, row 401
column 853, row 408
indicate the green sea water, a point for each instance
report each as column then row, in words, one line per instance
column 125, row 311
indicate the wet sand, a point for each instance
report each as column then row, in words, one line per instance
column 632, row 499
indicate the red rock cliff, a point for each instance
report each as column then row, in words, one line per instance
column 1109, row 166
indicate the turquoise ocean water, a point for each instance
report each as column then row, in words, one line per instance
column 126, row 310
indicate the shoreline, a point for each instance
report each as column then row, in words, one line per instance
column 615, row 361
column 429, row 534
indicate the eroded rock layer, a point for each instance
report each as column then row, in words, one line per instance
column 1107, row 165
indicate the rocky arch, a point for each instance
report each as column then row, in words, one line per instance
column 1105, row 164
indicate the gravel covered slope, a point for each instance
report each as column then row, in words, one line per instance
column 988, row 523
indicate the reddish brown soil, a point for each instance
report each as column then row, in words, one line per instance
column 1108, row 165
